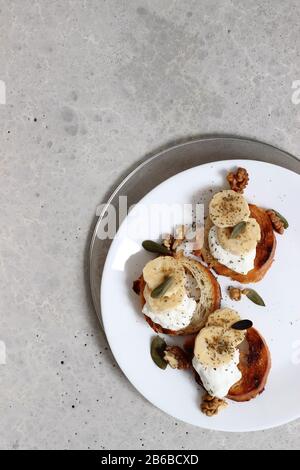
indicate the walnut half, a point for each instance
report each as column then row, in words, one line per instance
column 177, row 358
column 239, row 180
column 172, row 242
column 235, row 293
column 277, row 223
column 168, row 241
column 211, row 406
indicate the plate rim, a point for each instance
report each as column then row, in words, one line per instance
column 106, row 266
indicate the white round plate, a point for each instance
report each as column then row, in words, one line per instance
column 129, row 336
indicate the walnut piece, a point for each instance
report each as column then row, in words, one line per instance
column 179, row 236
column 172, row 242
column 277, row 223
column 211, row 406
column 239, row 180
column 176, row 358
column 168, row 241
column 235, row 293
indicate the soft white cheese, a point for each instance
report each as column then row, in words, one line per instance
column 239, row 263
column 219, row 380
column 174, row 319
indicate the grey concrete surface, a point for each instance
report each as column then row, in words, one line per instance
column 91, row 87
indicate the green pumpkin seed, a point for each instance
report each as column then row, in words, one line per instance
column 254, row 297
column 158, row 347
column 239, row 228
column 160, row 290
column 154, row 247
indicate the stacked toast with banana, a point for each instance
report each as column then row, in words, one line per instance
column 180, row 295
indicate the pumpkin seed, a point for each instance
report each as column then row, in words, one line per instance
column 242, row 325
column 158, row 347
column 154, row 247
column 160, row 290
column 254, row 297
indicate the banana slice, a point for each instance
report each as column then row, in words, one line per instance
column 164, row 303
column 215, row 346
column 228, row 208
column 154, row 274
column 235, row 337
column 224, row 317
column 245, row 242
column 157, row 270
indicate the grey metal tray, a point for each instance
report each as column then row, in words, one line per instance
column 154, row 170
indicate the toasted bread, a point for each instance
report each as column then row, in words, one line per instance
column 210, row 299
column 255, row 365
column 265, row 250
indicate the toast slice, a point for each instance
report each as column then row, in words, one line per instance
column 210, row 298
column 255, row 365
column 265, row 251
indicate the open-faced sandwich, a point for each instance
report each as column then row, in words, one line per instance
column 177, row 294
column 239, row 239
column 231, row 360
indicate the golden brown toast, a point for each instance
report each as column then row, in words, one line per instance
column 255, row 365
column 265, row 250
column 213, row 290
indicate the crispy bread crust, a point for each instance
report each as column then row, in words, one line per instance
column 265, row 251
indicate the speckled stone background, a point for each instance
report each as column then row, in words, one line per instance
column 93, row 86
